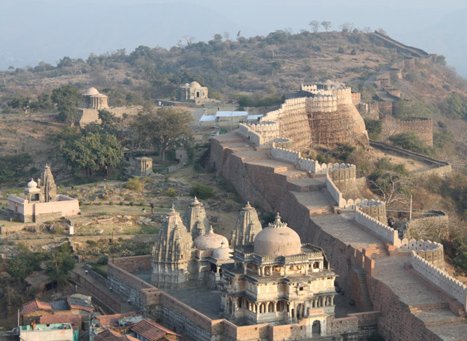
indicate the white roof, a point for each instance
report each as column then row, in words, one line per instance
column 207, row 118
column 231, row 113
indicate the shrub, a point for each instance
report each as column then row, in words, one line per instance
column 135, row 184
column 409, row 141
column 202, row 191
column 171, row 192
column 373, row 127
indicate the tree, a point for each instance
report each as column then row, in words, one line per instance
column 61, row 261
column 67, row 99
column 314, row 25
column 109, row 122
column 409, row 141
column 326, row 25
column 162, row 129
column 347, row 27
column 23, row 263
column 93, row 152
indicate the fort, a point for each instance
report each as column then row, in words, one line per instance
column 415, row 298
column 319, row 114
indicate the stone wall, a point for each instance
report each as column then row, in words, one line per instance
column 421, row 127
column 440, row 279
column 435, row 167
column 386, row 233
column 375, row 209
column 430, row 251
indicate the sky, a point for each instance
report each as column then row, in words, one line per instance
column 47, row 30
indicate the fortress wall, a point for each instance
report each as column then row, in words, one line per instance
column 441, row 279
column 356, row 98
column 264, row 188
column 432, row 252
column 321, row 104
column 440, row 168
column 125, row 283
column 249, row 134
column 385, row 232
column 334, row 191
column 375, row 209
column 343, row 172
column 422, row 128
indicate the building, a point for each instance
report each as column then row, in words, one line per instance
column 142, row 166
column 49, row 332
column 228, row 119
column 193, row 92
column 279, row 280
column 41, row 201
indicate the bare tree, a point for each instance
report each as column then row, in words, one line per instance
column 367, row 29
column 326, row 25
column 347, row 27
column 314, row 26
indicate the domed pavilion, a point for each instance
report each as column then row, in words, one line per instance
column 279, row 280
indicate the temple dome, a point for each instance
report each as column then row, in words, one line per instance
column 210, row 241
column 222, row 253
column 91, row 92
column 32, row 184
column 277, row 240
column 195, row 84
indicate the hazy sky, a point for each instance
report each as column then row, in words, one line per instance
column 35, row 30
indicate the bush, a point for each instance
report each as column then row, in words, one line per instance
column 171, row 192
column 135, row 184
column 374, row 128
column 409, row 141
column 202, row 191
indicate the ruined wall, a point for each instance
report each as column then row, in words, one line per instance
column 421, row 127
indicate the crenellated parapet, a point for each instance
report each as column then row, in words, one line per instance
column 383, row 231
column 374, row 208
column 448, row 284
column 259, row 133
column 322, row 103
column 432, row 252
column 343, row 172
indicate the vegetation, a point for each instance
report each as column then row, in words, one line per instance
column 202, row 191
column 59, row 264
column 389, row 181
column 93, row 152
column 15, row 167
column 67, row 98
column 135, row 184
column 411, row 142
column 455, row 106
column 374, row 128
column 162, row 129
column 23, row 263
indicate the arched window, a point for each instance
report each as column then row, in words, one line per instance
column 270, row 307
column 316, row 265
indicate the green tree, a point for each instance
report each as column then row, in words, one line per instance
column 162, row 129
column 93, row 152
column 67, row 99
column 374, row 128
column 60, row 262
column 14, row 167
column 455, row 106
column 23, row 263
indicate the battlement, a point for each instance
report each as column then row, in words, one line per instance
column 441, row 279
column 322, row 103
column 432, row 252
column 386, row 233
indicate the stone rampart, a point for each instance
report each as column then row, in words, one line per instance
column 322, row 103
column 421, row 127
column 436, row 167
column 126, row 283
column 375, row 209
column 343, row 172
column 386, row 233
column 440, row 279
column 259, row 133
column 334, row 192
column 432, row 252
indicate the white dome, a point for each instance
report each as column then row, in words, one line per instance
column 210, row 241
column 222, row 253
column 277, row 240
column 91, row 92
column 195, row 84
column 32, row 184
